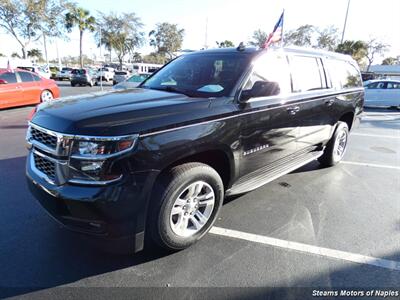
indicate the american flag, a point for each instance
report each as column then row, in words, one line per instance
column 276, row 34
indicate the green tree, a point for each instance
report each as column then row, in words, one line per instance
column 302, row 36
column 258, row 39
column 166, row 39
column 15, row 55
column 121, row 33
column 52, row 23
column 374, row 48
column 35, row 53
column 2, row 55
column 155, row 58
column 327, row 38
column 137, row 57
column 81, row 18
column 225, row 44
column 357, row 49
column 391, row 60
column 20, row 18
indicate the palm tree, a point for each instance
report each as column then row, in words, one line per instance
column 35, row 53
column 80, row 17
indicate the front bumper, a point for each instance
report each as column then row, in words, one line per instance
column 110, row 213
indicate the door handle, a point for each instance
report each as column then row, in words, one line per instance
column 293, row 110
column 329, row 102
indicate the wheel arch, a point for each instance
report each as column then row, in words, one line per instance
column 217, row 158
column 348, row 118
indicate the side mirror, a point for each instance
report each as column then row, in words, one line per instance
column 261, row 89
column 2, row 81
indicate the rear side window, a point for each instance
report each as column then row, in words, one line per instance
column 25, row 76
column 271, row 67
column 121, row 73
column 343, row 74
column 306, row 74
column 393, row 85
column 9, row 77
column 36, row 77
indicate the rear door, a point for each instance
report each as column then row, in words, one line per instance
column 309, row 86
column 269, row 126
column 29, row 87
column 10, row 93
column 392, row 94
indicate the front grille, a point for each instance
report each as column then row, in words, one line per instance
column 44, row 138
column 45, row 166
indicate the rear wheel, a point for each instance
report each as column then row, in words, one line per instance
column 188, row 199
column 336, row 147
column 46, row 96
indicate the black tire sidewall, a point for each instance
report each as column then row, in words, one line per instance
column 328, row 158
column 177, row 184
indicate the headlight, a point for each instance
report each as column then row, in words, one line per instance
column 90, row 163
column 102, row 147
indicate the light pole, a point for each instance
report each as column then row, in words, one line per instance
column 345, row 21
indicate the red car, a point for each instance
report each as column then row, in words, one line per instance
column 20, row 87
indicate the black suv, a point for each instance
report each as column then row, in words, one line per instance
column 159, row 160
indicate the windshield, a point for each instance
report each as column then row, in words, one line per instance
column 203, row 75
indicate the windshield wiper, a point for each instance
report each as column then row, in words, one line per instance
column 171, row 89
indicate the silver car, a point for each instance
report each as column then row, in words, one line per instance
column 120, row 76
column 131, row 82
column 384, row 92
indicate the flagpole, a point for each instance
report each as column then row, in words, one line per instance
column 283, row 23
column 345, row 21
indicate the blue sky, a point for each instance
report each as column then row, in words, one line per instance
column 236, row 20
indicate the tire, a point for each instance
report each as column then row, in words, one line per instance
column 72, row 84
column 178, row 183
column 332, row 153
column 46, row 96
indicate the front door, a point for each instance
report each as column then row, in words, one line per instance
column 269, row 125
column 10, row 92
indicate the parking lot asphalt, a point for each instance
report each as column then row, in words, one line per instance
column 320, row 228
column 67, row 90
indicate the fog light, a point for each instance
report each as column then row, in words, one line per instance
column 91, row 165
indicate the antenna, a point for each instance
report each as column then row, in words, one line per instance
column 206, row 35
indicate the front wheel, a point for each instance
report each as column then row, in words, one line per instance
column 187, row 201
column 46, row 96
column 336, row 147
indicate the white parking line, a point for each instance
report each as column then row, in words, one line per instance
column 376, row 135
column 369, row 165
column 330, row 253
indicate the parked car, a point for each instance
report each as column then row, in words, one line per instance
column 384, row 92
column 158, row 161
column 83, row 77
column 20, row 87
column 65, row 73
column 120, row 76
column 131, row 82
column 53, row 72
column 105, row 73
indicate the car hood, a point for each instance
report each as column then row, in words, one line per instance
column 120, row 112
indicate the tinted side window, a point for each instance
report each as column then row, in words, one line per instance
column 25, row 76
column 36, row 77
column 344, row 74
column 376, row 85
column 393, row 85
column 306, row 74
column 9, row 77
column 271, row 67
